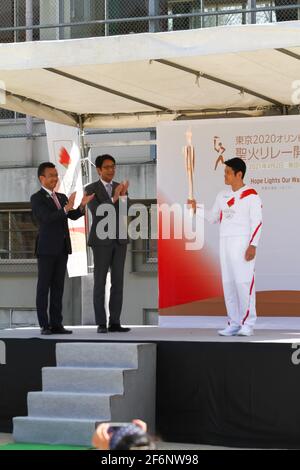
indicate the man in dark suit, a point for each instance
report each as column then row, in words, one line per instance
column 53, row 245
column 109, row 246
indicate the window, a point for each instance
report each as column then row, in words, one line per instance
column 88, row 10
column 7, row 20
column 219, row 6
column 17, row 234
column 224, row 19
column 6, row 114
column 176, row 7
column 144, row 250
column 131, row 9
column 286, row 15
column 13, row 13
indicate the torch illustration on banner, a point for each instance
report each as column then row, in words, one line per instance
column 189, row 157
column 220, row 149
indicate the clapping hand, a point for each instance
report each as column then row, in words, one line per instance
column 70, row 204
column 86, row 199
column 125, row 184
column 121, row 190
column 118, row 192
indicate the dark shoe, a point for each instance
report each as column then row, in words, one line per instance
column 118, row 329
column 46, row 331
column 60, row 330
column 101, row 329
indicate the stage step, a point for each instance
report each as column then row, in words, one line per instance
column 69, row 405
column 83, row 379
column 54, row 431
column 92, row 382
column 123, row 355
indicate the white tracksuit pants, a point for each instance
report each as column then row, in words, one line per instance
column 238, row 281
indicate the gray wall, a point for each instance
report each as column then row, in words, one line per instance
column 140, row 292
column 17, row 184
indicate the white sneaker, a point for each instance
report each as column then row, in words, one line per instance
column 229, row 331
column 246, row 331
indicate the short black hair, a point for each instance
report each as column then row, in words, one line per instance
column 43, row 166
column 100, row 159
column 237, row 164
column 135, row 441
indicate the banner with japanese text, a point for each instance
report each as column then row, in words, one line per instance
column 190, row 166
column 64, row 152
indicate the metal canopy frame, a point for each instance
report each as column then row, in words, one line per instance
column 206, row 76
column 289, row 53
column 21, row 98
column 106, row 89
column 158, row 109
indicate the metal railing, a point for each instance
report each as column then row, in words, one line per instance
column 22, row 20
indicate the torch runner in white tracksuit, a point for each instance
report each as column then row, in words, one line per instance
column 239, row 213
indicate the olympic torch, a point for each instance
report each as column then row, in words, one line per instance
column 189, row 157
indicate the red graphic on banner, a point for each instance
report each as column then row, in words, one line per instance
column 185, row 275
column 194, row 276
column 64, row 157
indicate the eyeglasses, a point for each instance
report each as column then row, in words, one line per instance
column 108, row 167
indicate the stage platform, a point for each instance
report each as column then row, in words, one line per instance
column 154, row 334
column 236, row 391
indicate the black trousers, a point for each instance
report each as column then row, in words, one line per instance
column 109, row 257
column 51, row 277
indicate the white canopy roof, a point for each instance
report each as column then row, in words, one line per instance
column 140, row 79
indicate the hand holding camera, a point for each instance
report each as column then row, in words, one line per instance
column 106, row 433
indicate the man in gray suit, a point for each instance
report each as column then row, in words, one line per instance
column 109, row 246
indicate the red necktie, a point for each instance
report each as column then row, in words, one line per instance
column 55, row 199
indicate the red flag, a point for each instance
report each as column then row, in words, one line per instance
column 64, row 157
